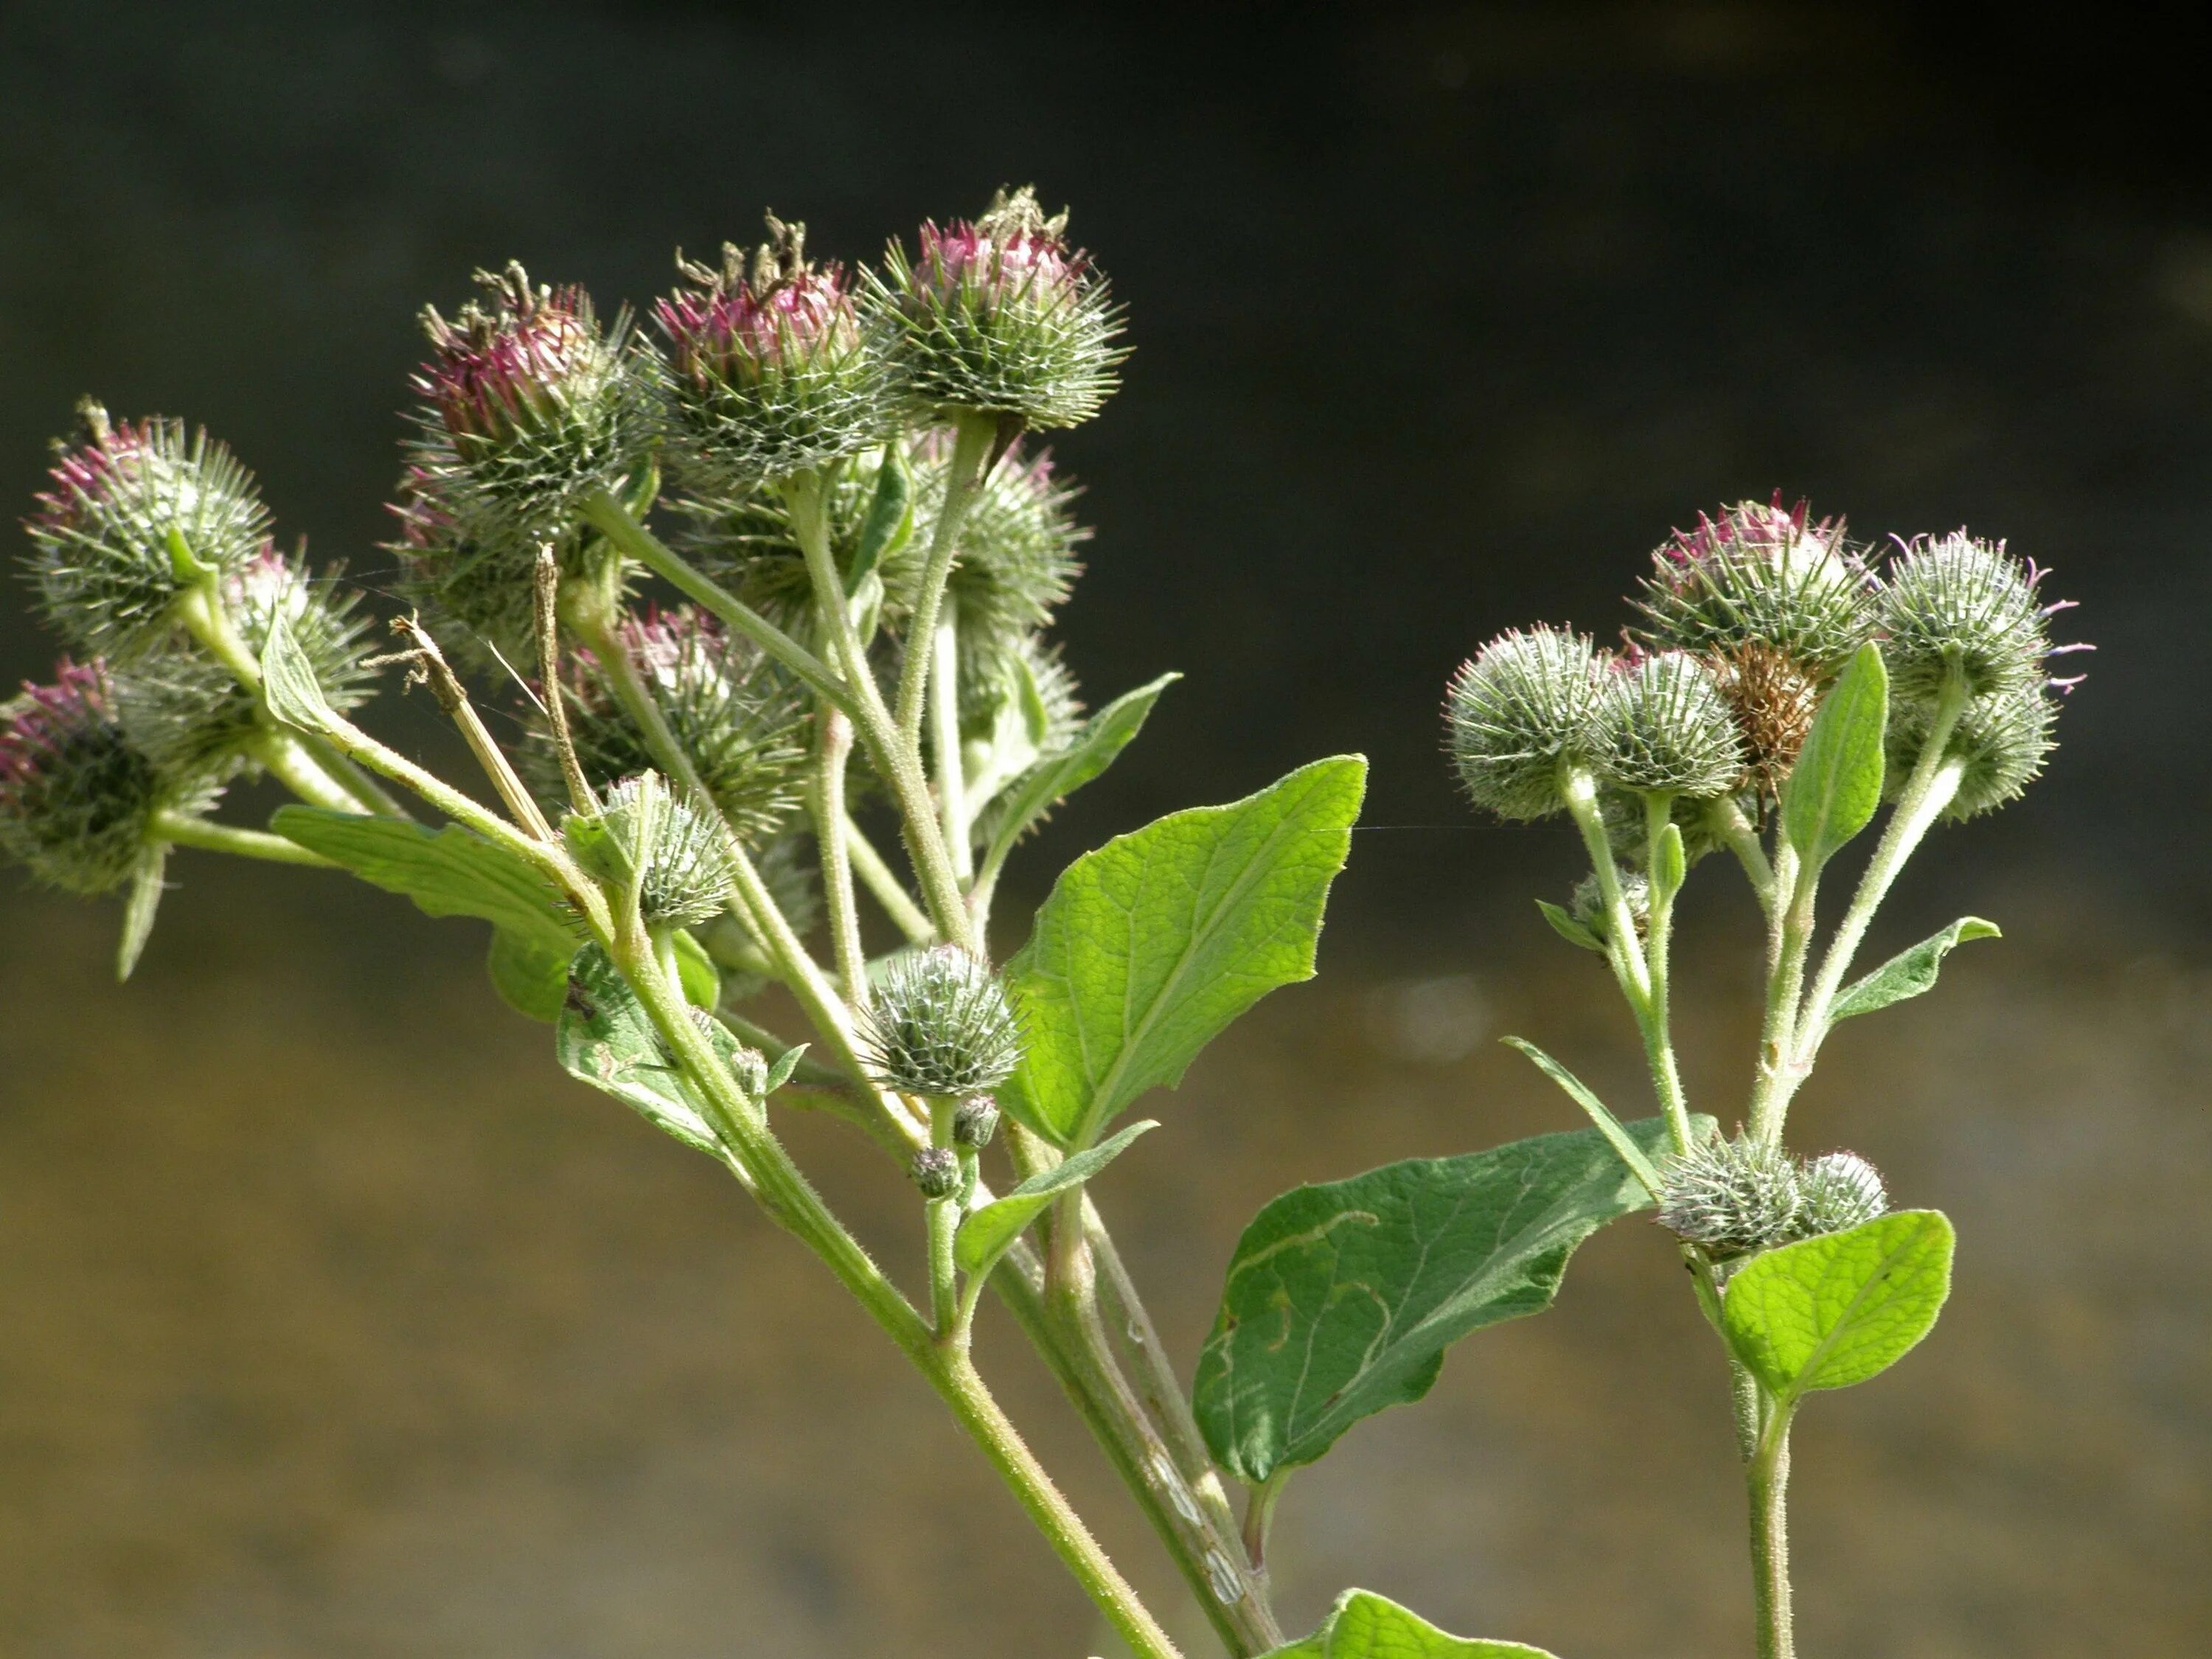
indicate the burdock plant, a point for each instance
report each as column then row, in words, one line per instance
column 796, row 739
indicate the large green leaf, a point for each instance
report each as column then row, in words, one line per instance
column 1104, row 737
column 1365, row 1626
column 1827, row 1312
column 1833, row 790
column 450, row 872
column 1147, row 947
column 1909, row 973
column 530, row 973
column 605, row 1037
column 987, row 1233
column 1342, row 1298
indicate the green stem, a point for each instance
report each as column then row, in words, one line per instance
column 1580, row 789
column 833, row 748
column 1768, row 1483
column 945, row 739
column 972, row 438
column 619, row 526
column 884, row 887
column 942, row 1216
column 1742, row 838
column 180, row 830
column 1658, row 1040
column 1791, row 943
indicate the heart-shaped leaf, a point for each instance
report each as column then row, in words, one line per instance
column 1827, row 1312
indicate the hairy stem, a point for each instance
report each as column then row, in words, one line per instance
column 1790, row 943
column 972, row 438
column 1581, row 791
column 180, row 830
column 1767, row 1478
column 885, row 888
column 945, row 739
column 1658, row 1040
column 833, row 748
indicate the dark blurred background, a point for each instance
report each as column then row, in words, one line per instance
column 333, row 1322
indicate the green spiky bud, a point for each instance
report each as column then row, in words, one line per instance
column 940, row 1024
column 1760, row 574
column 1958, row 605
column 1519, row 714
column 184, row 710
column 1587, row 905
column 999, row 317
column 769, row 370
column 137, row 514
column 647, row 836
column 976, row 1122
column 2001, row 743
column 731, row 709
column 936, row 1171
column 1663, row 727
column 1731, row 1196
column 78, row 797
column 1837, row 1191
column 531, row 408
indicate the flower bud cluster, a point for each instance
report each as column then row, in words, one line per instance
column 1735, row 1197
column 999, row 317
column 769, row 370
column 730, row 709
column 136, row 512
column 646, row 835
column 940, row 1024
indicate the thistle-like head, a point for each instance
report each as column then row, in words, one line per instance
column 1838, row 1191
column 137, row 513
column 1523, row 713
column 999, row 316
column 77, row 798
column 1764, row 574
column 1732, row 1197
column 530, row 406
column 1664, row 727
column 647, row 837
column 1959, row 606
column 768, row 369
column 940, row 1024
column 2001, row 742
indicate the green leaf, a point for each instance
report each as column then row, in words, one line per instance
column 1669, row 864
column 985, row 1234
column 1827, row 1312
column 1615, row 1132
column 1565, row 925
column 889, row 520
column 288, row 680
column 530, row 974
column 139, row 907
column 1833, row 790
column 1149, row 947
column 1909, row 973
column 450, row 872
column 1365, row 1626
column 1103, row 738
column 1342, row 1298
column 701, row 979
column 605, row 1037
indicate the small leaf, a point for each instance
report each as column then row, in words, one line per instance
column 1103, row 738
column 1827, row 1312
column 139, row 907
column 1832, row 792
column 1147, row 947
column 779, row 1072
column 1610, row 1128
column 987, row 1233
column 288, row 680
column 1342, row 1299
column 450, row 872
column 531, row 977
column 1569, row 929
column 605, row 1037
column 890, row 521
column 701, row 979
column 1365, row 1626
column 1909, row 973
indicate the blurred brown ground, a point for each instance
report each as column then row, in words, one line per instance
column 343, row 1325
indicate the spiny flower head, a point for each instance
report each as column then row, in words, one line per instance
column 1663, row 727
column 2001, row 742
column 769, row 370
column 940, row 1024
column 77, row 798
column 1000, row 317
column 1760, row 574
column 1731, row 1196
column 1773, row 700
column 184, row 709
column 646, row 834
column 136, row 512
column 530, row 406
column 1838, row 1191
column 1520, row 714
column 1958, row 605
column 730, row 709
